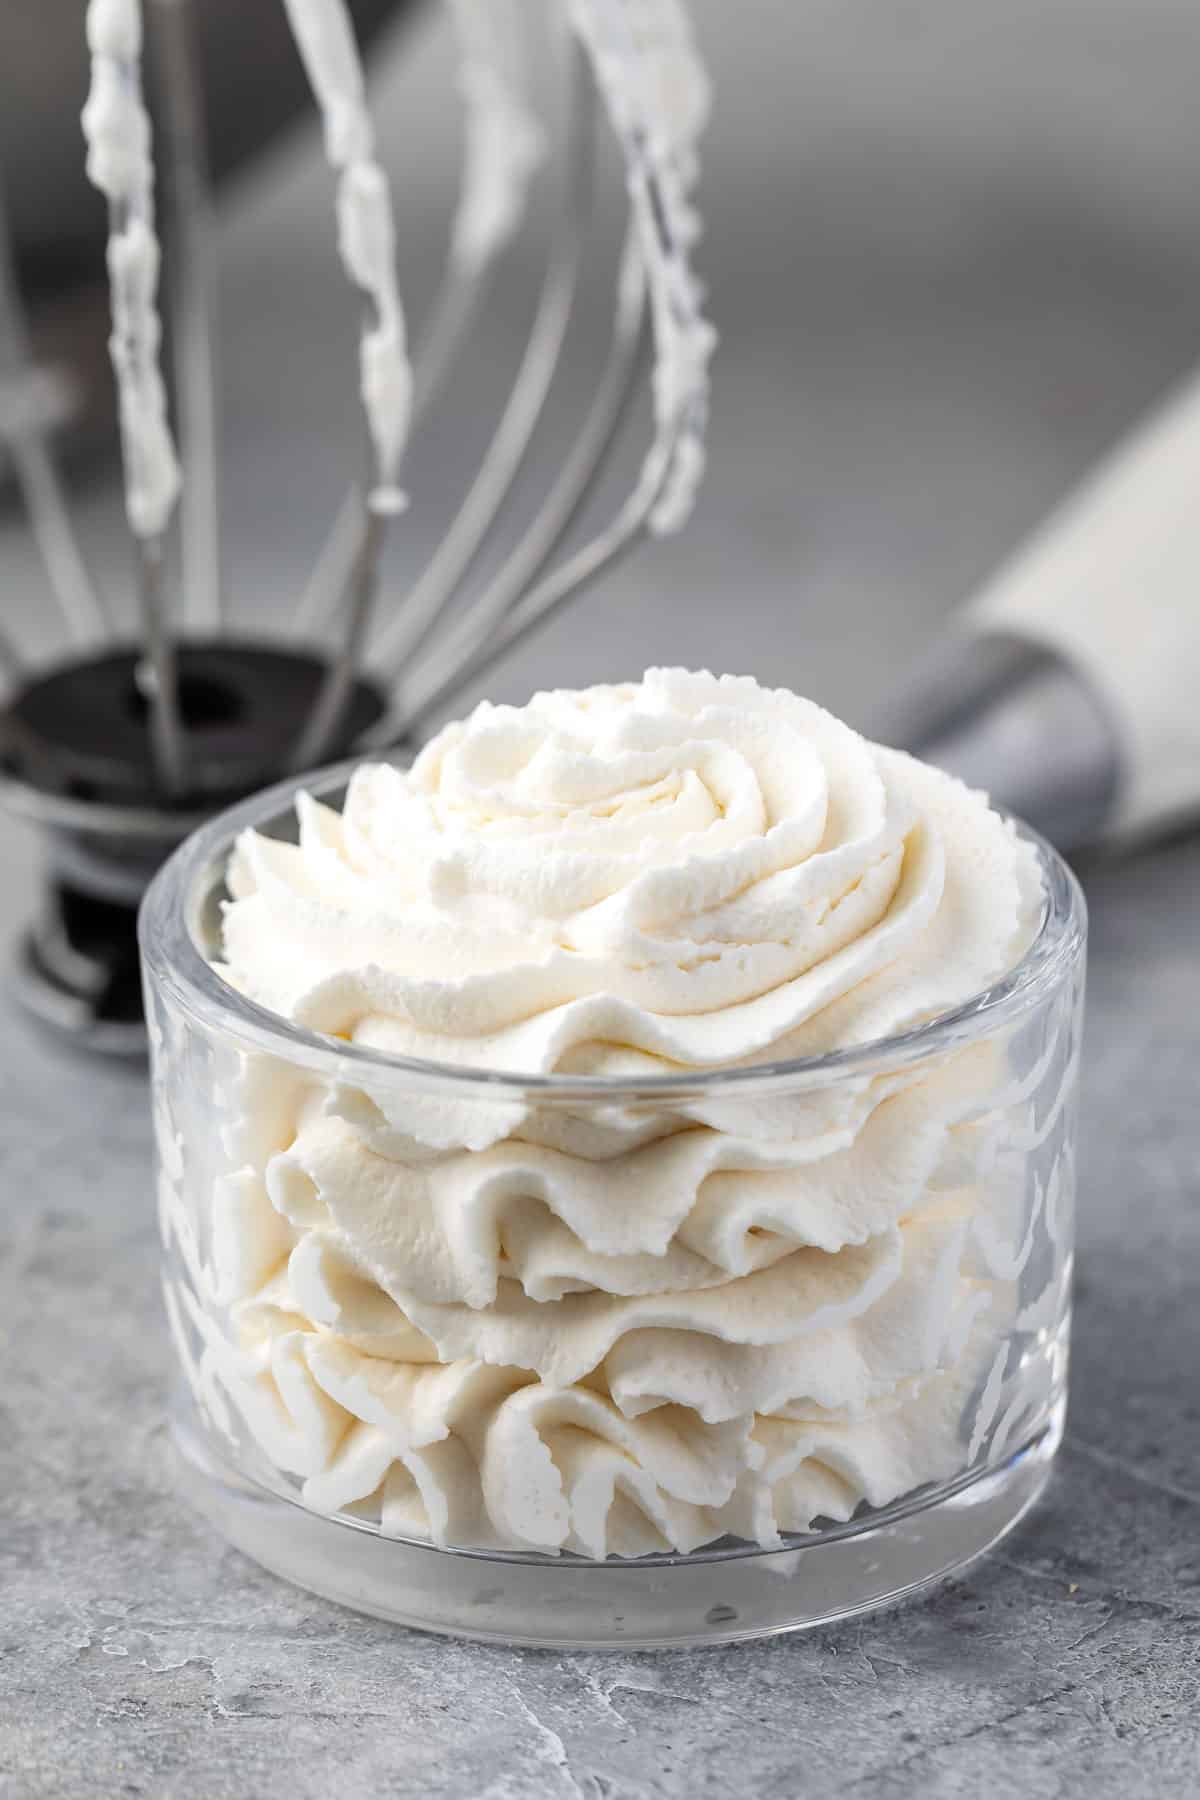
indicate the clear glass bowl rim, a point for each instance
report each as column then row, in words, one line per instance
column 170, row 934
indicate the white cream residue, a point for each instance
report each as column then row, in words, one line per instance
column 120, row 163
column 366, row 229
column 503, row 142
column 621, row 1328
column 657, row 94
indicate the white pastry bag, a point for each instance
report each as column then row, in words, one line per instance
column 1070, row 687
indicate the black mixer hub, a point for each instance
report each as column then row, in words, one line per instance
column 76, row 760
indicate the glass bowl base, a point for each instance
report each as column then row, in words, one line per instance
column 714, row 1596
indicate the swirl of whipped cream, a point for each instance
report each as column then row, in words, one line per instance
column 616, row 1328
column 689, row 872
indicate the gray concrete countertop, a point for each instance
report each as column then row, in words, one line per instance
column 949, row 268
column 139, row 1656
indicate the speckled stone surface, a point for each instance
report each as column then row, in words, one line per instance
column 139, row 1656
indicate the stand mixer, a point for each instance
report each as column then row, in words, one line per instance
column 119, row 751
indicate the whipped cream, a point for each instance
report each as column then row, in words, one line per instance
column 610, row 1328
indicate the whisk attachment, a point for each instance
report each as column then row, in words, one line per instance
column 481, row 635
column 321, row 730
column 646, row 69
column 120, row 163
column 367, row 244
column 504, row 145
column 435, row 589
column 121, row 749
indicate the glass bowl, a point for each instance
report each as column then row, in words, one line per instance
column 924, row 1428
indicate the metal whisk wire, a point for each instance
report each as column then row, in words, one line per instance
column 424, row 604
column 438, row 585
column 513, row 582
column 516, row 602
column 193, row 267
column 433, row 646
column 461, row 291
column 436, row 636
column 31, row 403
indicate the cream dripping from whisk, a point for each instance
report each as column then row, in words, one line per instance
column 366, row 230
column 657, row 96
column 120, row 163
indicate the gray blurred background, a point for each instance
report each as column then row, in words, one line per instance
column 953, row 252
